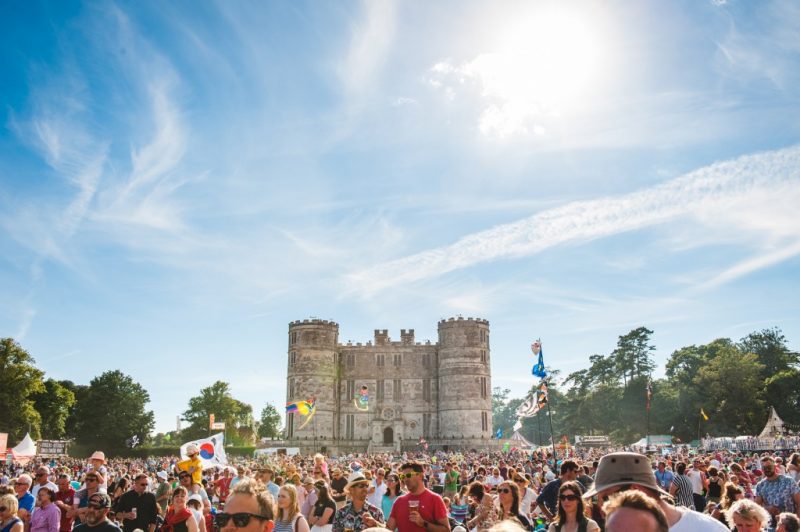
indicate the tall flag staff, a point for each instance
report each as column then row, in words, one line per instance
column 540, row 371
column 647, row 406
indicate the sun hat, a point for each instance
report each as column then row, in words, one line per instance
column 618, row 469
column 356, row 478
column 192, row 449
column 162, row 475
column 195, row 497
column 98, row 455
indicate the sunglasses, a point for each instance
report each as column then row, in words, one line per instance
column 361, row 486
column 91, row 479
column 96, row 506
column 20, row 483
column 569, row 497
column 240, row 520
column 504, row 490
column 184, row 476
column 409, row 475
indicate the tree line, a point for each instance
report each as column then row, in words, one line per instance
column 733, row 383
column 110, row 412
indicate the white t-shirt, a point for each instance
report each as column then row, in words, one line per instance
column 697, row 522
column 696, row 476
column 376, row 497
column 37, row 487
column 527, row 500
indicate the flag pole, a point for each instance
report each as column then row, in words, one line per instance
column 552, row 437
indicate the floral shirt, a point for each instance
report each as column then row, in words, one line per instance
column 348, row 519
column 779, row 492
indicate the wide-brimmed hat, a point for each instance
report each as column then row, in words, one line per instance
column 356, row 478
column 98, row 455
column 618, row 469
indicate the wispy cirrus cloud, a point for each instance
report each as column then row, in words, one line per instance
column 704, row 195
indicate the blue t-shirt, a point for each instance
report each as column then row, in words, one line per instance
column 26, row 502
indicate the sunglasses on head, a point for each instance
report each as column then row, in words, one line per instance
column 568, row 497
column 240, row 520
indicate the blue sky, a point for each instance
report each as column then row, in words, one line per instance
column 180, row 180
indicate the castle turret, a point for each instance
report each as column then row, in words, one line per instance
column 312, row 373
column 465, row 388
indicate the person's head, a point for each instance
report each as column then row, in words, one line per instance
column 93, row 480
column 768, row 466
column 23, row 484
column 249, row 508
column 185, row 479
column 747, row 516
column 569, row 470
column 63, row 482
column 662, row 466
column 97, row 508
column 411, row 473
column 788, row 522
column 633, row 510
column 240, row 471
column 508, row 494
column 97, row 459
column 569, row 500
column 288, row 504
column 195, row 501
column 476, row 490
column 623, row 471
column 392, row 485
column 730, row 494
column 323, row 492
column 794, row 460
column 42, row 472
column 179, row 496
column 713, row 471
column 380, row 475
column 357, row 487
column 520, row 481
column 9, row 506
column 140, row 483
column 680, row 468
column 192, row 450
column 45, row 496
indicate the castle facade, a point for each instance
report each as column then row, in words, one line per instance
column 440, row 392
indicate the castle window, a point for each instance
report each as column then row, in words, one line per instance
column 483, row 356
column 291, row 390
column 290, row 425
column 380, row 360
column 397, row 361
column 293, row 339
column 380, row 391
column 483, row 388
column 426, row 390
column 426, row 360
column 292, row 358
column 396, row 389
column 351, row 390
column 487, row 339
column 483, row 335
column 351, row 360
column 484, row 421
column 426, row 425
column 349, row 427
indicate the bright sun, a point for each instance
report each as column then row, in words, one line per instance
column 547, row 62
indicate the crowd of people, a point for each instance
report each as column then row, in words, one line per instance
column 589, row 490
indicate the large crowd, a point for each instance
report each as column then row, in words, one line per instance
column 588, row 490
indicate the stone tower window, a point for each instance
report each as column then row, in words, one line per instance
column 426, row 390
column 426, row 425
column 396, row 389
column 483, row 335
column 380, row 391
column 351, row 390
column 483, row 388
column 290, row 425
column 380, row 360
column 397, row 361
column 483, row 356
column 349, row 429
column 294, row 338
column 484, row 421
column 292, row 358
column 291, row 390
column 351, row 360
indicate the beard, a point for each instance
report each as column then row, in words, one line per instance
column 94, row 518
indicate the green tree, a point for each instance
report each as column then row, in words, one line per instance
column 217, row 399
column 79, row 391
column 112, row 411
column 769, row 345
column 20, row 380
column 633, row 356
column 270, row 426
column 54, row 405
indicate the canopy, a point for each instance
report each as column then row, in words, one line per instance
column 519, row 441
column 655, row 439
column 25, row 450
column 774, row 427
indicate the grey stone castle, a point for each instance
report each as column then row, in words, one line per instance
column 437, row 391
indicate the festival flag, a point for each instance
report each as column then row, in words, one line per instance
column 702, row 413
column 305, row 408
column 506, row 446
column 538, row 368
column 529, row 407
column 649, row 393
column 517, row 425
column 543, row 393
column 212, row 452
column 499, row 433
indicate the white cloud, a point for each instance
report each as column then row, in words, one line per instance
column 370, row 41
column 703, row 194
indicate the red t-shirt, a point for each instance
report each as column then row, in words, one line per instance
column 223, row 487
column 66, row 497
column 431, row 509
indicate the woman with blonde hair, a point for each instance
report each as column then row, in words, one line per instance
column 9, row 522
column 747, row 516
column 289, row 518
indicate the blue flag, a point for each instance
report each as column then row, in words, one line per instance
column 499, row 433
column 538, row 368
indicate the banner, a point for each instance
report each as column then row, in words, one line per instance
column 3, row 445
column 51, row 448
column 212, row 453
column 218, row 425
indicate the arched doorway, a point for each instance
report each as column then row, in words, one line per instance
column 388, row 436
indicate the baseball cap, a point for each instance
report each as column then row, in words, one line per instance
column 101, row 499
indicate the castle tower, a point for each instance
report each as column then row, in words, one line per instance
column 312, row 372
column 465, row 388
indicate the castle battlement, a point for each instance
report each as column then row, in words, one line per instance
column 313, row 321
column 462, row 319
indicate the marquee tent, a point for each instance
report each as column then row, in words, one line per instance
column 774, row 427
column 25, row 450
column 518, row 440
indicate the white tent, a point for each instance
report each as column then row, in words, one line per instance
column 774, row 426
column 25, row 450
column 519, row 441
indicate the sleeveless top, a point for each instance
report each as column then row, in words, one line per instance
column 10, row 525
column 715, row 488
column 287, row 526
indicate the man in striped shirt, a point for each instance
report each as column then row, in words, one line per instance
column 681, row 488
